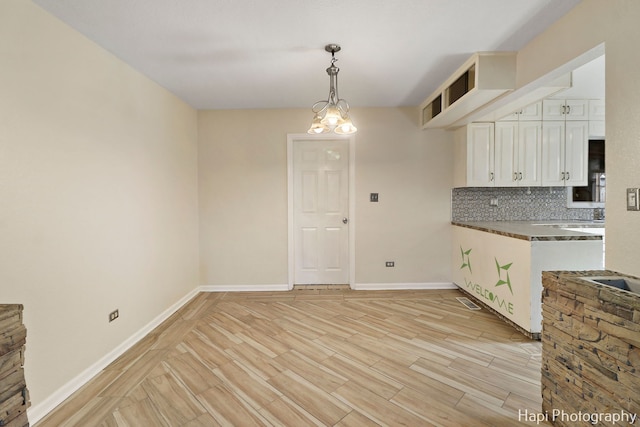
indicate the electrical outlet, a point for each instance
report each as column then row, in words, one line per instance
column 114, row 315
column 390, row 264
column 373, row 197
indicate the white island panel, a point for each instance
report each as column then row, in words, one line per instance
column 505, row 273
column 496, row 270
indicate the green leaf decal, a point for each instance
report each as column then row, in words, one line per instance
column 466, row 260
column 500, row 281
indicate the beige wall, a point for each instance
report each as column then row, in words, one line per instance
column 589, row 24
column 243, row 196
column 98, row 191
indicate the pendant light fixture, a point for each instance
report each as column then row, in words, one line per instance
column 332, row 114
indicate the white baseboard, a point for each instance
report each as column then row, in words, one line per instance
column 402, row 286
column 244, row 288
column 36, row 412
column 357, row 286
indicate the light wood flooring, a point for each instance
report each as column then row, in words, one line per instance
column 331, row 357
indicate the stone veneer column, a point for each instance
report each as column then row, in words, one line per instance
column 590, row 350
column 14, row 397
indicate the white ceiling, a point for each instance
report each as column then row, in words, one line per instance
column 227, row 54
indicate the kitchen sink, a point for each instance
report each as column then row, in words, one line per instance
column 625, row 283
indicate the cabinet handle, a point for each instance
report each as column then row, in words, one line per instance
column 491, row 176
column 564, row 109
column 520, row 176
column 562, row 176
column 568, row 109
column 568, row 176
column 515, row 176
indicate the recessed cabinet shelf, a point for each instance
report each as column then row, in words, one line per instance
column 484, row 77
column 432, row 109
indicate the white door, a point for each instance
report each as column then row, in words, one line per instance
column 320, row 211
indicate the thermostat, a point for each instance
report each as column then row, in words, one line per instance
column 633, row 199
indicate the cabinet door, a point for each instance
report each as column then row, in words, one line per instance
column 576, row 153
column 553, row 109
column 480, row 156
column 513, row 117
column 531, row 112
column 529, row 153
column 577, row 109
column 506, row 154
column 553, row 153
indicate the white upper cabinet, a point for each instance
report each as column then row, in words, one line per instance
column 532, row 112
column 506, row 154
column 530, row 153
column 480, row 155
column 565, row 109
column 553, row 153
column 565, row 150
column 576, row 153
column 527, row 149
column 518, row 152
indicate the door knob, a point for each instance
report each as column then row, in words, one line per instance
column 345, row 220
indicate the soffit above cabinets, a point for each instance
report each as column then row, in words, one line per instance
column 484, row 77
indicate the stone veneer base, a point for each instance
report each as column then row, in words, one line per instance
column 590, row 348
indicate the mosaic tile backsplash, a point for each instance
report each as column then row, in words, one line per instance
column 516, row 204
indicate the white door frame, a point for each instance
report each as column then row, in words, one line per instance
column 291, row 138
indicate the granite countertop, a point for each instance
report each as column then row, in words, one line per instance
column 538, row 230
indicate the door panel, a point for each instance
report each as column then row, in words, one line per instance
column 480, row 155
column 309, row 248
column 320, row 204
column 506, row 146
column 309, row 191
column 530, row 153
column 553, row 153
column 332, row 249
column 334, row 192
column 576, row 153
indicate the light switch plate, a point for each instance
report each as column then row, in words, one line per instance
column 633, row 199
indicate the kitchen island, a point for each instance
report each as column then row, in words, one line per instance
column 500, row 263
